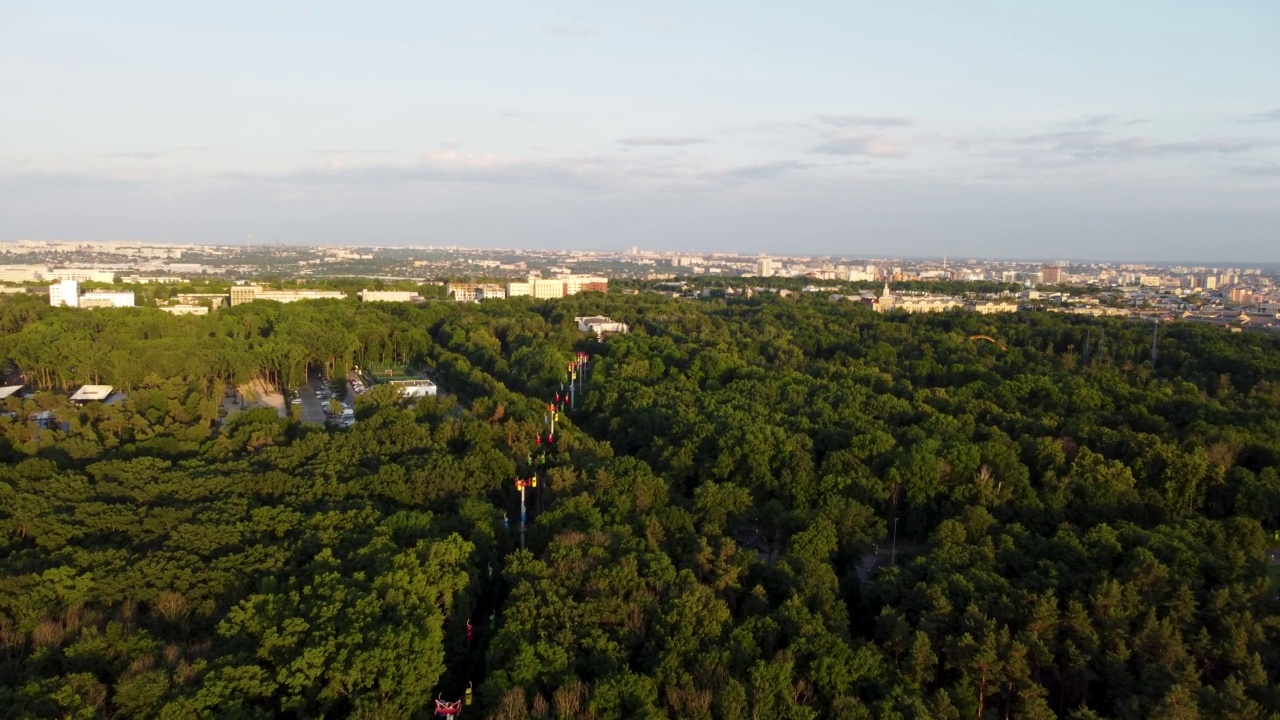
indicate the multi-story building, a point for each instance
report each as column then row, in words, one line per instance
column 574, row 284
column 23, row 273
column 243, row 293
column 65, row 293
column 931, row 303
column 1052, row 274
column 185, row 309
column 913, row 304
column 1028, row 279
column 249, row 293
column 83, row 275
column 461, row 292
column 884, row 303
column 388, row 296
column 107, row 299
column 544, row 289
column 473, row 292
column 988, row 308
column 600, row 325
column 1242, row 296
column 216, row 300
column 536, row 287
column 764, row 267
column 288, row 296
column 146, row 279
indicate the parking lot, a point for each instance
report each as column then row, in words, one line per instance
column 355, row 386
column 312, row 406
column 314, row 399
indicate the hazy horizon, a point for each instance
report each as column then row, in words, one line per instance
column 952, row 259
column 1140, row 132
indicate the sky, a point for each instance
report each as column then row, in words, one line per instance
column 1130, row 130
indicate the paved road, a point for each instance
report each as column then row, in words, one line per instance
column 312, row 411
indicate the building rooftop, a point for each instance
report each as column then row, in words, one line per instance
column 9, row 390
column 89, row 393
column 408, row 382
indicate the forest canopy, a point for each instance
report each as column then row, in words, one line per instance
column 766, row 507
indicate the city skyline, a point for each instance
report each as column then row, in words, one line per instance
column 654, row 252
column 1145, row 133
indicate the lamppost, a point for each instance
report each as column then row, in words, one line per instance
column 893, row 553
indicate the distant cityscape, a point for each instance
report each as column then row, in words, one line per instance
column 95, row 275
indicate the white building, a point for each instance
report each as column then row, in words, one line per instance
column 927, row 304
column 574, row 284
column 888, row 302
column 22, row 273
column 1029, row 279
column 764, row 267
column 91, row 393
column 249, row 293
column 83, row 275
column 472, row 292
column 185, row 309
column 988, row 308
column 519, row 289
column 461, row 292
column 148, row 279
column 547, row 289
column 600, row 325
column 288, row 296
column 388, row 296
column 414, row 388
column 101, row 298
column 65, row 293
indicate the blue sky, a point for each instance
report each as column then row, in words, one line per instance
column 1109, row 130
